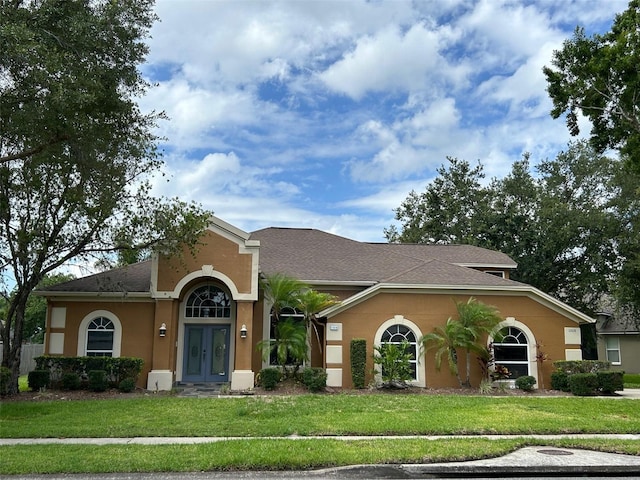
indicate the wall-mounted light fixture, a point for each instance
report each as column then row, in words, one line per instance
column 243, row 331
column 163, row 330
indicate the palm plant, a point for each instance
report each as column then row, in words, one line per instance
column 477, row 319
column 446, row 340
column 310, row 302
column 290, row 342
column 287, row 294
column 281, row 292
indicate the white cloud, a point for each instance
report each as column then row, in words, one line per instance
column 391, row 60
column 321, row 114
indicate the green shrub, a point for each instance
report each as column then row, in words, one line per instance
column 315, row 379
column 581, row 366
column 560, row 381
column 117, row 368
column 526, row 383
column 395, row 364
column 583, row 384
column 38, row 379
column 71, row 381
column 269, row 378
column 5, row 381
column 358, row 354
column 127, row 385
column 610, row 381
column 97, row 380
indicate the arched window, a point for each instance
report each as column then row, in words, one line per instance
column 100, row 333
column 511, row 350
column 208, row 301
column 398, row 334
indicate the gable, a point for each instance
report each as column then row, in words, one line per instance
column 224, row 252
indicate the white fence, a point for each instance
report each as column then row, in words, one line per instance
column 27, row 356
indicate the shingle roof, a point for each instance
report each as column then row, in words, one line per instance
column 316, row 256
column 128, row 279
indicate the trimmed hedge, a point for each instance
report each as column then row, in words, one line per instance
column 127, row 385
column 526, row 383
column 560, row 381
column 97, row 380
column 583, row 384
column 71, row 381
column 581, row 366
column 116, row 368
column 358, row 355
column 610, row 381
column 314, row 378
column 38, row 379
column 269, row 377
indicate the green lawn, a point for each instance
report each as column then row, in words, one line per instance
column 631, row 380
column 374, row 414
column 278, row 454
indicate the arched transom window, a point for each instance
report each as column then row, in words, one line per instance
column 208, row 301
column 511, row 350
column 100, row 337
column 398, row 334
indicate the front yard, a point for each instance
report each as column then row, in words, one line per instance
column 300, row 415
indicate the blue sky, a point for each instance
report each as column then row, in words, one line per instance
column 326, row 114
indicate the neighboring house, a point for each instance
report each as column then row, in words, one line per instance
column 619, row 342
column 198, row 319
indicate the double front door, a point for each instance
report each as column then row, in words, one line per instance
column 206, row 353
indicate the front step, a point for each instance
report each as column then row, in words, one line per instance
column 201, row 389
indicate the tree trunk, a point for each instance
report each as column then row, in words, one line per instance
column 12, row 334
column 467, row 383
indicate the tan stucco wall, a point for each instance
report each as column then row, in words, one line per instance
column 136, row 319
column 218, row 251
column 428, row 310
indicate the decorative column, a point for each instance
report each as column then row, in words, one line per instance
column 242, row 377
column 165, row 332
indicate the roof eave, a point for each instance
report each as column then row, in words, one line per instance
column 88, row 295
column 486, row 265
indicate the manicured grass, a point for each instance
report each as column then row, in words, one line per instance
column 631, row 380
column 270, row 454
column 376, row 414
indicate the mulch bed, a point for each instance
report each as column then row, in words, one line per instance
column 288, row 387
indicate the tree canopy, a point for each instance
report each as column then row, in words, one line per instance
column 571, row 223
column 77, row 155
column 599, row 77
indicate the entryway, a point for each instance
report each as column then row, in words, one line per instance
column 206, row 354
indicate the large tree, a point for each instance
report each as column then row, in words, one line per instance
column 569, row 227
column 599, row 77
column 450, row 210
column 76, row 153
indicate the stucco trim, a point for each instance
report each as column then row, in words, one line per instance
column 517, row 290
